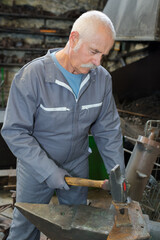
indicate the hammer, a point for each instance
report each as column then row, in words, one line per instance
column 116, row 184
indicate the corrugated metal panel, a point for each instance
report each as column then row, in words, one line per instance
column 135, row 19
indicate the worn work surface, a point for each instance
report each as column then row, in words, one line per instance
column 96, row 198
column 129, row 223
column 124, row 222
column 100, row 200
column 69, row 222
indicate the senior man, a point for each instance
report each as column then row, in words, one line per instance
column 53, row 103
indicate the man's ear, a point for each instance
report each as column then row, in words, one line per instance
column 73, row 38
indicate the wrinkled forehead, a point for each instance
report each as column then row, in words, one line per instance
column 100, row 41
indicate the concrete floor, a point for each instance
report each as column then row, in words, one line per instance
column 96, row 198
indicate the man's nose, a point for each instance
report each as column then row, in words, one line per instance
column 97, row 60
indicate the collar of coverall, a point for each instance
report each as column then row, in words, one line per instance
column 52, row 76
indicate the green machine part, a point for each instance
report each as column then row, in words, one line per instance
column 97, row 170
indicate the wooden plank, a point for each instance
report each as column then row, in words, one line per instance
column 7, row 177
column 7, row 172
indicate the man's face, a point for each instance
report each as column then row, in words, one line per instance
column 90, row 52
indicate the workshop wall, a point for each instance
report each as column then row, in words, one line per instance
column 29, row 28
column 59, row 7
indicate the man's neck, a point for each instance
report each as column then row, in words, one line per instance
column 63, row 58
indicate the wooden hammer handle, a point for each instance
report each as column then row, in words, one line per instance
column 75, row 181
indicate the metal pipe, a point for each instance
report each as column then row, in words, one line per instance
column 2, row 89
column 140, row 165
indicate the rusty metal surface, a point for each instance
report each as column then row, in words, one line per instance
column 86, row 222
column 149, row 141
column 69, row 222
column 140, row 166
column 129, row 223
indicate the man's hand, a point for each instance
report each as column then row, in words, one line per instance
column 105, row 185
column 56, row 180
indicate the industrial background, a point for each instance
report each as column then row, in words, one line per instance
column 29, row 28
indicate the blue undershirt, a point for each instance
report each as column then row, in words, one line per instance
column 74, row 80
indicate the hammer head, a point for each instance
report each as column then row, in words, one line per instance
column 118, row 185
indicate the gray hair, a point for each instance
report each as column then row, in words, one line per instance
column 88, row 22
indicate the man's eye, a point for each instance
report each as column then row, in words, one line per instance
column 92, row 52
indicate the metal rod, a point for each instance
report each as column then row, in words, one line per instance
column 130, row 138
column 126, row 150
column 2, row 89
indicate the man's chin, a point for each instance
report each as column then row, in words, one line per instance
column 85, row 70
column 88, row 69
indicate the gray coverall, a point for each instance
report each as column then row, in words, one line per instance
column 45, row 126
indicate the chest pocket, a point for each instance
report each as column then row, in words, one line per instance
column 52, row 119
column 56, row 109
column 89, row 113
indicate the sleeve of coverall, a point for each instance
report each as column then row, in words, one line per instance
column 18, row 127
column 107, row 132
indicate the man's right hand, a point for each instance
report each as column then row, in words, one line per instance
column 57, row 181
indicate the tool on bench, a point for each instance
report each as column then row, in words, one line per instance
column 123, row 221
